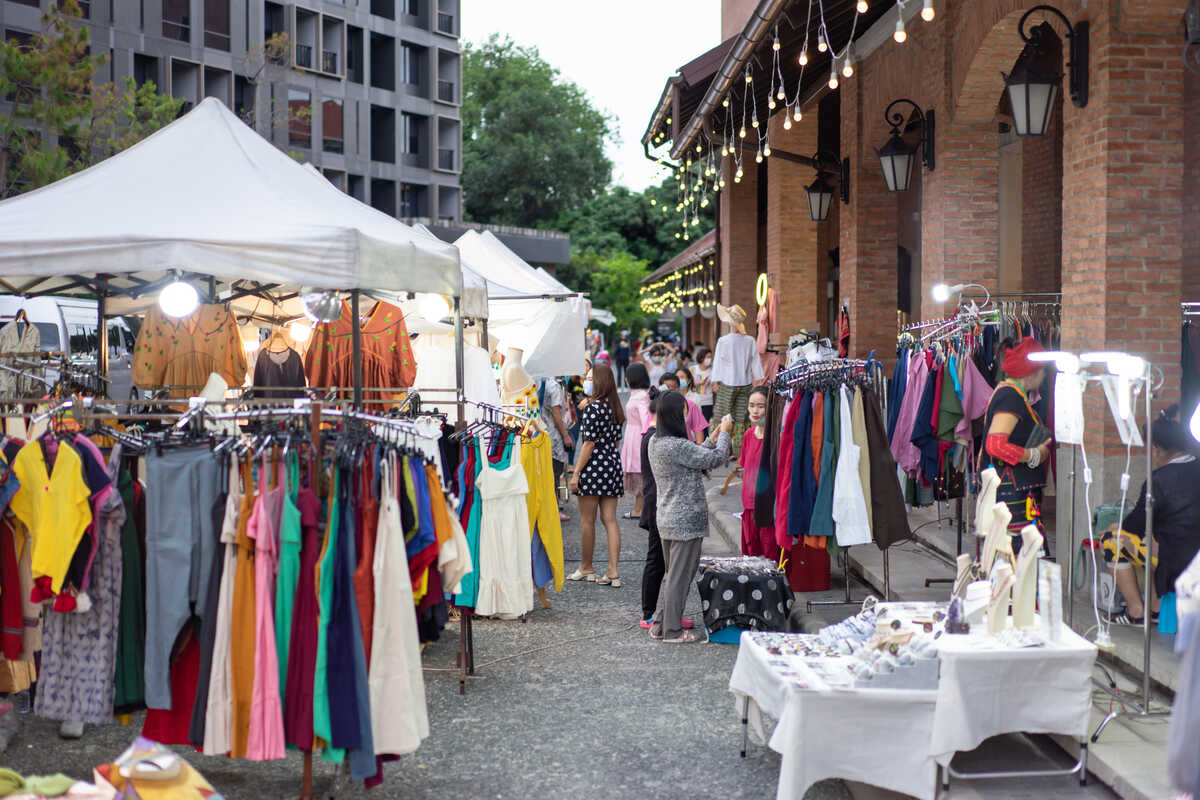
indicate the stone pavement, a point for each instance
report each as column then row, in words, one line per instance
column 577, row 700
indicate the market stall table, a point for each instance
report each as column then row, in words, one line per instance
column 828, row 728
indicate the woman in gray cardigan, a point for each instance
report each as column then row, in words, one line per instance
column 682, row 508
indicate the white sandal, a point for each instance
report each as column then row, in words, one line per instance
column 582, row 576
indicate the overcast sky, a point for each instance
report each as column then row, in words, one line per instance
column 620, row 52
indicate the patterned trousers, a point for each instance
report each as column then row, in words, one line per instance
column 733, row 400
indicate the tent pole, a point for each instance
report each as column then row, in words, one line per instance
column 356, row 341
column 102, row 343
column 459, row 368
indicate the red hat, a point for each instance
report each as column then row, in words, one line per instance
column 1016, row 360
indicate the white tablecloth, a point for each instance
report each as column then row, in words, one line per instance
column 896, row 738
column 868, row 735
column 986, row 691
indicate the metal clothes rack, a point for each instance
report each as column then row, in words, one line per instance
column 786, row 381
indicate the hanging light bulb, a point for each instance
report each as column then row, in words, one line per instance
column 771, row 103
column 725, row 103
column 775, row 44
column 833, row 78
column 748, row 78
column 742, row 132
column 927, row 12
column 767, row 150
column 796, row 115
column 754, row 121
column 300, row 331
column 724, row 150
column 738, row 175
column 804, row 56
column 848, row 66
column 821, row 46
column 787, row 122
column 900, row 35
column 861, row 7
column 780, row 95
column 758, row 157
column 178, row 299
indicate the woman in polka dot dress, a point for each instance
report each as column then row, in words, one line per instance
column 598, row 479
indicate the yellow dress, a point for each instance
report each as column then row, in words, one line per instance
column 54, row 507
column 543, row 507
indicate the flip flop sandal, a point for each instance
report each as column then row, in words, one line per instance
column 687, row 637
column 630, row 515
column 607, row 581
column 581, row 576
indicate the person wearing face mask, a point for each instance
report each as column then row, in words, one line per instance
column 696, row 423
column 756, row 541
column 702, row 371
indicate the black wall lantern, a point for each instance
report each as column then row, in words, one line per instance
column 1033, row 85
column 896, row 157
column 820, row 193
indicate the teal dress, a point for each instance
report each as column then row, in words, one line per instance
column 322, row 725
column 471, row 507
column 289, row 571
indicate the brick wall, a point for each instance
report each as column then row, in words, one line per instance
column 1041, row 207
column 739, row 237
column 791, row 235
column 1191, row 182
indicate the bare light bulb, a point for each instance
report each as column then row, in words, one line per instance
column 178, row 299
column 833, row 79
column 803, row 57
column 771, row 103
column 900, row 35
column 797, row 115
column 300, row 331
column 787, row 122
column 758, row 157
column 861, row 7
column 748, row 78
column 821, row 46
column 780, row 95
column 927, row 12
column 766, row 151
column 754, row 122
column 725, row 103
column 848, row 67
column 775, row 44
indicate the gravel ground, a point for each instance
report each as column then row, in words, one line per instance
column 577, row 699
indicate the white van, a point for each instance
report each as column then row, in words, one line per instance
column 69, row 325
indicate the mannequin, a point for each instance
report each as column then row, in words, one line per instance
column 997, row 611
column 1025, row 577
column 736, row 367
column 989, row 481
column 516, row 385
column 997, row 537
column 278, row 369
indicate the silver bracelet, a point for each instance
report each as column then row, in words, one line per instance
column 1035, row 458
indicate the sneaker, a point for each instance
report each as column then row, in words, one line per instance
column 646, row 623
column 71, row 729
column 686, row 624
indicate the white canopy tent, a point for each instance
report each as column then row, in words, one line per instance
column 207, row 195
column 527, row 308
column 208, row 198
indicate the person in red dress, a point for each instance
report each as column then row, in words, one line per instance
column 756, row 541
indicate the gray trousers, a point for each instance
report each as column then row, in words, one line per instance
column 682, row 557
column 181, row 486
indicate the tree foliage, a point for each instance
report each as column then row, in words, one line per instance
column 533, row 144
column 61, row 120
column 610, row 279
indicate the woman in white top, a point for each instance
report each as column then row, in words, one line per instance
column 736, row 367
column 701, row 372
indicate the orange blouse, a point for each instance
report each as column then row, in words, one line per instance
column 184, row 352
column 388, row 360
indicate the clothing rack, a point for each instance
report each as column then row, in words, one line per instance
column 787, row 381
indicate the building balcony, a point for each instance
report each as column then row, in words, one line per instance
column 445, row 91
column 445, row 23
column 329, row 61
column 446, row 159
column 304, row 56
column 179, row 30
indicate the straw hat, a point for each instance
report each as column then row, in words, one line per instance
column 734, row 316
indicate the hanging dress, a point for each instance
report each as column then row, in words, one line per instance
column 399, row 720
column 79, row 655
column 290, row 535
column 302, row 656
column 469, row 517
column 218, row 726
column 241, row 636
column 265, row 739
column 506, row 582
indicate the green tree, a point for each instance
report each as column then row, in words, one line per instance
column 533, row 144
column 48, row 79
column 62, row 121
column 610, row 279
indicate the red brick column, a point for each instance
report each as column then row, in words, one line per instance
column 792, row 256
column 1123, row 206
column 738, row 219
column 868, row 235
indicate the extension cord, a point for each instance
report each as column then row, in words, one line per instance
column 1104, row 641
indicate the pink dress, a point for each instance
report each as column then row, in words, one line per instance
column 637, row 419
column 266, row 740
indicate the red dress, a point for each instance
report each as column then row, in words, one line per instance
column 756, row 541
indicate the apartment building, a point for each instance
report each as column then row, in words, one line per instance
column 368, row 91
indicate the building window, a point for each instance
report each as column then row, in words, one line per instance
column 383, row 196
column 383, row 62
column 85, row 7
column 410, row 64
column 383, row 134
column 299, row 118
column 243, row 99
column 384, row 8
column 216, row 24
column 411, row 198
column 33, row 3
column 445, row 17
column 333, row 129
column 145, row 70
column 176, row 22
column 412, row 130
column 412, row 7
column 354, row 54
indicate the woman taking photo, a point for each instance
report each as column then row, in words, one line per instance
column 682, row 508
column 597, row 476
column 637, row 415
column 1017, row 444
